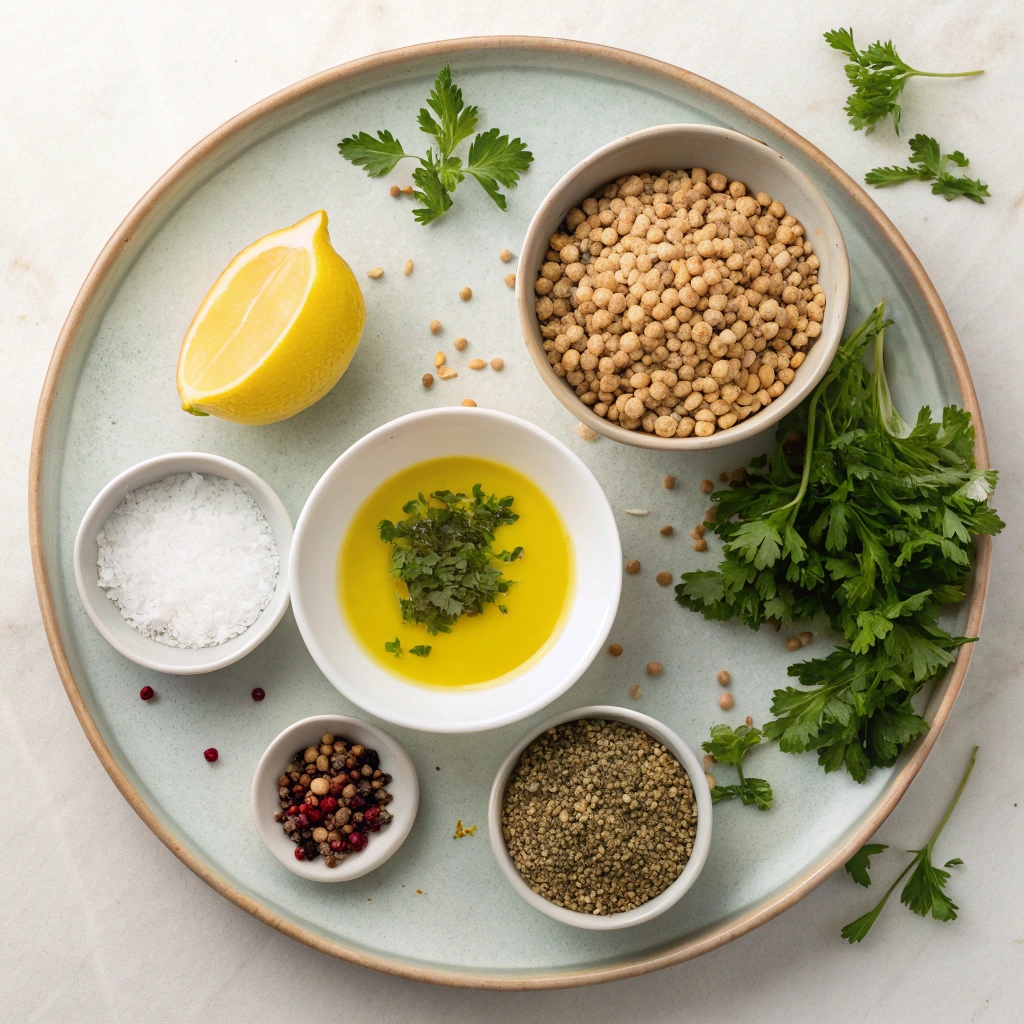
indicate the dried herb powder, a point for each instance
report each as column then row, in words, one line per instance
column 599, row 817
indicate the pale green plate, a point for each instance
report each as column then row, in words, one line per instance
column 440, row 909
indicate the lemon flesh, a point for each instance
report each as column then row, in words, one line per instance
column 275, row 332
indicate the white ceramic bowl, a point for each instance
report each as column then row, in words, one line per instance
column 404, row 788
column 661, row 902
column 739, row 157
column 104, row 613
column 437, row 433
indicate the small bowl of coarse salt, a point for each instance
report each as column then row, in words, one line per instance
column 182, row 562
column 601, row 818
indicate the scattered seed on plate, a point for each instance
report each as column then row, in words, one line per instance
column 407, row 191
column 395, row 190
column 707, row 486
column 709, row 760
column 211, row 755
column 805, row 638
column 632, row 567
column 615, row 650
column 510, row 280
column 504, row 255
column 748, row 721
column 258, row 694
column 497, row 363
column 636, row 691
column 737, row 476
column 465, row 294
column 477, row 364
column 793, row 643
column 666, row 531
column 428, row 380
column 435, row 326
column 655, row 668
column 375, row 273
column 723, row 478
column 585, row 432
column 700, row 545
column 439, row 359
column 664, row 578
column 698, row 531
column 447, row 373
column 469, row 402
column 668, row 482
column 147, row 693
column 711, row 515
column 407, row 269
column 724, row 678
column 637, row 512
column 712, row 781
column 460, row 344
column 725, row 702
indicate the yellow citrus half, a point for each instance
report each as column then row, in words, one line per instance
column 275, row 332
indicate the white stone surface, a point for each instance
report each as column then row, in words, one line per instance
column 100, row 921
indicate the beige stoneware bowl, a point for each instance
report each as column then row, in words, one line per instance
column 739, row 157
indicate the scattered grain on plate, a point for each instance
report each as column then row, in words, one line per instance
column 447, row 373
column 805, row 638
column 395, row 190
column 510, row 280
column 706, row 486
column 700, row 545
column 709, row 760
column 408, row 190
column 698, row 531
column 697, row 295
column 632, row 567
column 636, row 691
column 435, row 326
column 504, row 255
column 465, row 294
column 497, row 363
column 725, row 702
column 460, row 344
column 428, row 380
column 668, row 482
column 477, row 364
column 375, row 273
column 611, row 823
column 723, row 478
column 712, row 781
column 637, row 512
column 724, row 678
column 469, row 403
column 793, row 643
column 615, row 650
column 666, row 531
column 711, row 515
column 439, row 359
column 748, row 721
column 664, row 578
column 738, row 476
column 407, row 269
column 586, row 433
column 655, row 668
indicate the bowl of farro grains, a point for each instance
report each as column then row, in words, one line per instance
column 683, row 287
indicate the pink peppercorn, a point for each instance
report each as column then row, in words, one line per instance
column 147, row 693
column 357, row 841
column 258, row 694
column 300, row 853
column 328, row 804
column 211, row 755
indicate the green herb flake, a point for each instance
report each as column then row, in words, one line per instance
column 393, row 647
column 420, row 650
column 729, row 746
column 443, row 552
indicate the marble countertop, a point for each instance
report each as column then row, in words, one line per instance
column 100, row 921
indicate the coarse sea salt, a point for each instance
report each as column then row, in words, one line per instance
column 190, row 560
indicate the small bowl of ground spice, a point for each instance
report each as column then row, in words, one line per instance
column 334, row 797
column 601, row 818
column 181, row 562
column 683, row 308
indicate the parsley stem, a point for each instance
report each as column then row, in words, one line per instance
column 956, row 797
column 948, row 74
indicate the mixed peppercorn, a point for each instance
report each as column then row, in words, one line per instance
column 332, row 796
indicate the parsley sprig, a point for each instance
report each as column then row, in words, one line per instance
column 494, row 160
column 929, row 164
column 869, row 521
column 878, row 76
column 924, row 892
column 443, row 552
column 728, row 746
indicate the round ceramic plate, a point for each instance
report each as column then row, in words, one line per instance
column 440, row 910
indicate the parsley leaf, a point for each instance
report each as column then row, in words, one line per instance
column 924, row 892
column 870, row 521
column 728, row 746
column 930, row 165
column 420, row 650
column 494, row 160
column 878, row 76
column 443, row 552
column 393, row 647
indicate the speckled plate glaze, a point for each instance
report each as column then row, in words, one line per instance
column 440, row 910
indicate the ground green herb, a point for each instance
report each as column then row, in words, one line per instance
column 869, row 521
column 393, row 647
column 494, row 160
column 929, row 164
column 420, row 650
column 924, row 892
column 878, row 77
column 729, row 746
column 443, row 552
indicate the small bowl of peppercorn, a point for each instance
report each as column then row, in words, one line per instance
column 334, row 797
column 601, row 818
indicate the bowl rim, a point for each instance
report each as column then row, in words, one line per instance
column 385, row 843
column 795, row 393
column 149, row 471
column 701, row 845
column 599, row 632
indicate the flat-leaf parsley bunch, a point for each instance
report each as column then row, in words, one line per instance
column 494, row 159
column 928, row 163
column 870, row 521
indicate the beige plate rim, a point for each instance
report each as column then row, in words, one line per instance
column 93, row 286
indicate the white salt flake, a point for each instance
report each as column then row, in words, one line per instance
column 189, row 561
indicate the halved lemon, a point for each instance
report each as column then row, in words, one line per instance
column 275, row 332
